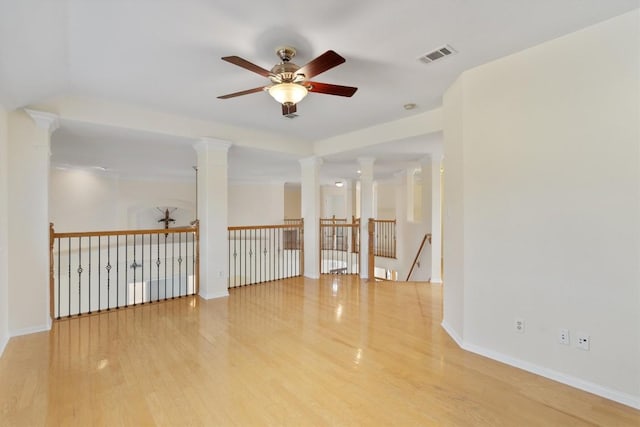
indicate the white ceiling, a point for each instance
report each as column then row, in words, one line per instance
column 164, row 55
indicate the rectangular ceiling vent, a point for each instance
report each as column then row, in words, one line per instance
column 439, row 53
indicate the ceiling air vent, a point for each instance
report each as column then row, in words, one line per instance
column 439, row 53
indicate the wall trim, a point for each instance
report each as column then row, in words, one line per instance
column 452, row 333
column 607, row 393
column 31, row 330
column 3, row 344
column 214, row 295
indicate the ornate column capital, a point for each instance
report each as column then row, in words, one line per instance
column 44, row 120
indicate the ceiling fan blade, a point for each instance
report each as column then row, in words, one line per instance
column 288, row 109
column 322, row 63
column 236, row 60
column 330, row 89
column 244, row 92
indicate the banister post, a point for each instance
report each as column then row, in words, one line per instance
column 372, row 259
column 51, row 274
column 196, row 273
column 301, row 238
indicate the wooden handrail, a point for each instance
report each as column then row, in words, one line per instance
column 415, row 260
column 85, row 283
column 125, row 232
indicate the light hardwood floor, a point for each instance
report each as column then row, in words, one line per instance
column 335, row 351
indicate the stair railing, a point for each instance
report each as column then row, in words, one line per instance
column 427, row 237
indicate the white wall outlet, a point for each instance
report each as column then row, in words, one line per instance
column 519, row 325
column 584, row 341
column 563, row 336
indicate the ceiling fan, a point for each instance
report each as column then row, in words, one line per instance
column 289, row 82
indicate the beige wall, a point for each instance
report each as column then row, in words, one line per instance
column 292, row 201
column 256, row 204
column 387, row 200
column 550, row 232
column 83, row 200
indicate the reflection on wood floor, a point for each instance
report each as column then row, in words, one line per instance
column 334, row 351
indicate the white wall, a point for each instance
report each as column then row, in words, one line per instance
column 84, row 200
column 256, row 204
column 140, row 200
column 4, row 231
column 409, row 234
column 334, row 202
column 542, row 170
column 81, row 200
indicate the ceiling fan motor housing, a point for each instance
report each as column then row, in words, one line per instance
column 285, row 72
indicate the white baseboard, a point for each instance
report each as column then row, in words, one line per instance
column 602, row 391
column 453, row 334
column 214, row 295
column 3, row 344
column 312, row 276
column 31, row 330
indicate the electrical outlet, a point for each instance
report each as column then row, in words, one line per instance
column 563, row 336
column 519, row 326
column 584, row 341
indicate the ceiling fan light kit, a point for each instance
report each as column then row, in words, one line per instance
column 291, row 93
column 289, row 82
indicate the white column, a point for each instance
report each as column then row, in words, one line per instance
column 350, row 189
column 212, row 213
column 29, row 159
column 436, row 219
column 410, row 192
column 424, row 273
column 367, row 210
column 310, row 198
column 403, row 256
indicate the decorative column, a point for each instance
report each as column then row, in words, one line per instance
column 403, row 256
column 28, row 210
column 310, row 200
column 436, row 219
column 212, row 214
column 424, row 273
column 367, row 210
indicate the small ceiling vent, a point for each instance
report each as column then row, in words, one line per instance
column 439, row 53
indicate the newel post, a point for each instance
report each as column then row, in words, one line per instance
column 301, row 261
column 196, row 226
column 372, row 259
column 51, row 274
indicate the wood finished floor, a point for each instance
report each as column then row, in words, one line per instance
column 300, row 352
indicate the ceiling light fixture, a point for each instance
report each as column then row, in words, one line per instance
column 288, row 93
column 339, row 184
